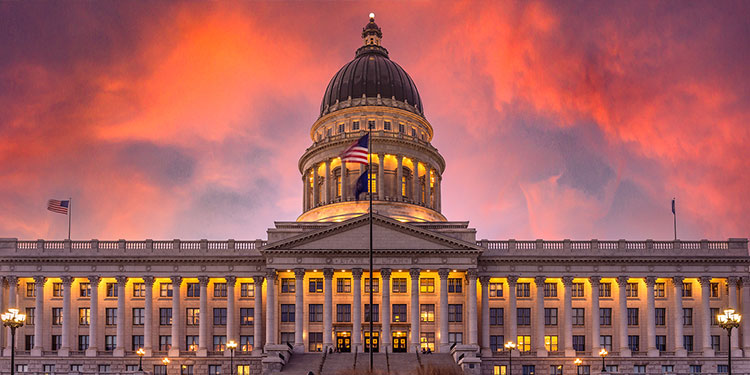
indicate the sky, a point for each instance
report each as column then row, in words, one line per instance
column 557, row 119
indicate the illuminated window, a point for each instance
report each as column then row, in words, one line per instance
column 220, row 289
column 57, row 289
column 243, row 370
column 30, row 289
column 247, row 290
column 524, row 343
column 85, row 289
column 374, row 182
column 496, row 290
column 375, row 285
column 139, row 290
column 427, row 285
column 247, row 314
column 631, row 290
column 111, row 290
column 550, row 290
column 399, row 313
column 398, row 285
column 577, row 290
column 338, row 186
column 246, row 343
column 343, row 285
column 605, row 290
column 659, row 290
column 315, row 341
column 427, row 313
column 84, row 314
column 191, row 343
column 316, row 285
column 403, row 186
column 192, row 316
column 687, row 289
column 499, row 370
column 550, row 343
column 427, row 341
column 220, row 343
column 714, row 290
column 193, row 290
column 165, row 289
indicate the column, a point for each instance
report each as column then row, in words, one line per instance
column 381, row 169
column 733, row 304
column 679, row 345
column 745, row 310
column 120, row 343
column 304, row 192
column 177, row 339
column 327, row 308
column 399, row 177
column 568, row 316
column 416, row 196
column 385, row 308
column 257, row 315
column 271, row 335
column 93, row 316
column 705, row 313
column 485, row 282
column 203, row 318
column 299, row 305
column 39, row 317
column 438, row 180
column 427, row 190
column 594, row 311
column 357, row 307
column 512, row 328
column 622, row 316
column 471, row 277
column 414, row 273
column 344, row 182
column 12, row 297
column 538, row 324
column 650, row 318
column 443, row 310
column 316, row 190
column 3, row 309
column 148, row 319
column 64, row 351
column 327, row 182
column 231, row 310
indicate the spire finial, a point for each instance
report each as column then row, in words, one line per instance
column 371, row 33
column 372, row 17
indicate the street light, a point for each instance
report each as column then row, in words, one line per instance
column 231, row 345
column 729, row 320
column 578, row 362
column 140, row 353
column 603, row 353
column 165, row 361
column 509, row 346
column 13, row 320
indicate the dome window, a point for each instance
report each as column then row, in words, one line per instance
column 355, row 125
column 371, row 124
column 387, row 125
column 341, row 128
column 401, row 128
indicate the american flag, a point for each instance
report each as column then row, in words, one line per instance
column 61, row 207
column 357, row 152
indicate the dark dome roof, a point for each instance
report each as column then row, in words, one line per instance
column 371, row 73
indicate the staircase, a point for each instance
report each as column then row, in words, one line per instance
column 379, row 362
column 442, row 360
column 302, row 363
column 403, row 363
column 338, row 363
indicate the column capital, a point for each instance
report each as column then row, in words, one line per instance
column 443, row 273
column 40, row 280
column 595, row 280
column 299, row 273
column 512, row 280
column 231, row 280
column 705, row 280
column 485, row 280
column 258, row 280
column 650, row 281
column 67, row 281
column 567, row 281
column 678, row 280
column 12, row 280
column 539, row 281
column 176, row 281
column 745, row 281
column 328, row 273
column 149, row 281
column 357, row 273
column 385, row 273
column 472, row 273
column 414, row 273
column 121, row 280
column 203, row 280
column 271, row 274
column 622, row 281
column 733, row 280
column 94, row 280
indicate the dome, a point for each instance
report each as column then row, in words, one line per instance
column 371, row 74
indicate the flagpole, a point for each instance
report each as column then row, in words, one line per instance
column 369, row 189
column 70, row 213
column 674, row 214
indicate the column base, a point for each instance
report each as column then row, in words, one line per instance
column 653, row 352
column 680, row 352
column 595, row 352
column 570, row 353
column 174, row 352
column 414, row 347
column 486, row 352
column 357, row 347
column 444, row 347
column 203, row 352
column 542, row 353
column 257, row 352
column 63, row 352
column 91, row 352
column 36, row 352
column 624, row 352
column 708, row 352
column 299, row 347
column 736, row 352
column 6, row 352
column 386, row 347
column 118, row 352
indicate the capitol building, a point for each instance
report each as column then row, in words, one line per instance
column 298, row 300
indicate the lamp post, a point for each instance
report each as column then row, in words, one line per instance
column 140, row 353
column 729, row 320
column 165, row 361
column 603, row 353
column 578, row 362
column 13, row 320
column 509, row 346
column 231, row 345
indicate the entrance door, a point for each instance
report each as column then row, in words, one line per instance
column 399, row 342
column 375, row 342
column 344, row 341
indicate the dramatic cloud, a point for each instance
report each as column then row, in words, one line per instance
column 557, row 120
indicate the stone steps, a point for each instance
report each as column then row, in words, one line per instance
column 301, row 364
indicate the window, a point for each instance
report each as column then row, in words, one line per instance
column 667, row 369
column 220, row 316
column 160, row 370
column 403, row 186
column 722, row 369
column 57, row 289
column 632, row 316
column 687, row 316
column 427, row 313
column 371, row 124
column 715, row 343
column 401, row 128
column 584, row 369
column 243, row 370
column 631, row 290
column 579, row 316
column 714, row 316
column 413, row 132
column 246, row 316
column 550, row 316
column 30, row 289
column 83, row 342
column 496, row 343
column 555, row 370
column 136, row 342
column 661, row 343
column 328, row 132
column 47, row 369
column 220, row 289
column 455, row 313
column 103, row 368
column 165, row 343
column 387, row 125
column 56, row 342
column 577, row 290
column 214, row 369
column 605, row 290
column 287, row 313
column 139, row 316
column 375, row 285
column 399, row 285
column 687, row 290
column 193, row 290
column 165, row 316
column 458, row 338
column 375, row 313
column 186, row 370
column 611, row 368
column 523, row 316
column 111, row 316
column 639, row 369
column 550, row 290
column 605, row 341
column 139, row 290
column 523, row 290
column 499, row 370
column 605, row 316
column 687, row 342
column 192, row 316
column 343, row 285
column 496, row 290
column 659, row 290
column 191, row 343
column 660, row 316
column 695, row 369
column 523, row 343
column 76, row 368
column 30, row 312
column 316, row 285
column 355, row 125
column 427, row 341
column 550, row 343
column 246, row 343
column 714, row 290
column 342, row 128
column 399, row 313
column 315, row 341
column 247, row 290
column 455, row 285
column 316, row 313
column 165, row 289
column 287, row 285
column 29, row 342
column 22, row 368
column 111, row 290
column 634, row 343
column 220, row 343
column 497, row 315
column 427, row 285
column 343, row 312
column 57, row 316
column 579, row 343
column 85, row 289
column 110, row 342
column 84, row 314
